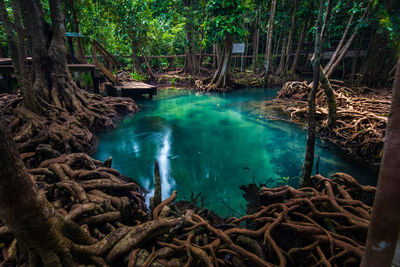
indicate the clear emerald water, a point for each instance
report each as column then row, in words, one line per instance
column 213, row 144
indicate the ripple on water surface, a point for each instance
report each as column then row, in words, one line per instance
column 213, row 144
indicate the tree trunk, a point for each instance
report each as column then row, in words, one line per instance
column 330, row 95
column 136, row 61
column 326, row 20
column 17, row 51
column 299, row 48
column 191, row 64
column 269, row 38
column 282, row 58
column 81, row 53
column 51, row 76
column 221, row 79
column 335, row 60
column 309, row 157
column 355, row 60
column 256, row 40
column 214, row 58
column 340, row 45
column 289, row 43
column 276, row 44
column 385, row 221
column 24, row 211
column 376, row 61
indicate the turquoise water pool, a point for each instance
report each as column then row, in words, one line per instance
column 213, row 144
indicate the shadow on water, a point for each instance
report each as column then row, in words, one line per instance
column 208, row 143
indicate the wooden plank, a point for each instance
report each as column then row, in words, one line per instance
column 102, row 50
column 131, row 89
column 6, row 69
column 136, row 85
column 8, row 61
column 5, row 61
column 106, row 72
column 81, row 67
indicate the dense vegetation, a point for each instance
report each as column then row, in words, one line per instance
column 132, row 29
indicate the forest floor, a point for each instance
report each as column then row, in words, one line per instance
column 325, row 223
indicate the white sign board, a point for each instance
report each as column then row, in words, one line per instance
column 238, row 48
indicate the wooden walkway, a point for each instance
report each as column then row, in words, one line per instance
column 6, row 67
column 125, row 89
column 131, row 89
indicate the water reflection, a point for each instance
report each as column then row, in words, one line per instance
column 163, row 154
column 209, row 143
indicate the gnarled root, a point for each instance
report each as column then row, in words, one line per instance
column 361, row 116
column 64, row 129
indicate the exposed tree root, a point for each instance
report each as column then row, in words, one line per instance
column 361, row 116
column 104, row 219
column 207, row 85
column 59, row 131
column 324, row 224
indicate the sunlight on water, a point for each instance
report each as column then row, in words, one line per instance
column 213, row 144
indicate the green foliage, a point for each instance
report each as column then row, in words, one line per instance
column 151, row 27
column 224, row 18
column 138, row 77
column 390, row 21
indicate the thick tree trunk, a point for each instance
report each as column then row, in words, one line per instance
column 291, row 30
column 136, row 60
column 25, row 212
column 17, row 51
column 299, row 48
column 51, row 75
column 11, row 40
column 385, row 221
column 221, row 79
column 269, row 38
column 376, row 62
column 309, row 157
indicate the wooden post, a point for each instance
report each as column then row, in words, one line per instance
column 96, row 89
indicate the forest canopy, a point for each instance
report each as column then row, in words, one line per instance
column 132, row 28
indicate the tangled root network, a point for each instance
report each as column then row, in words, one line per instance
column 325, row 224
column 361, row 116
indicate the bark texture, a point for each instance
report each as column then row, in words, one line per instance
column 382, row 239
column 191, row 64
column 220, row 81
column 26, row 212
column 269, row 38
column 309, row 157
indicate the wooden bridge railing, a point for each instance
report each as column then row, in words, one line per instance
column 109, row 59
